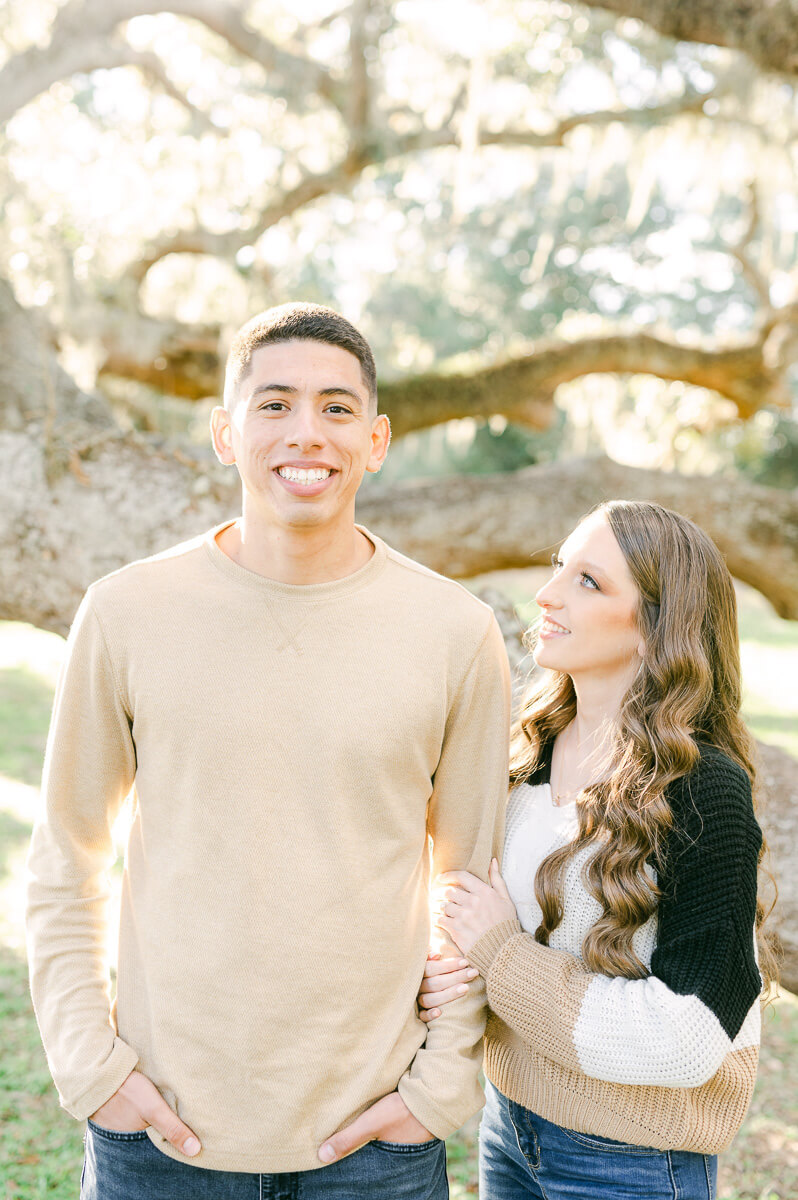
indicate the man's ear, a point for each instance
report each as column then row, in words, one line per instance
column 222, row 436
column 380, row 441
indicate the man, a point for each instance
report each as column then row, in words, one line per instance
column 299, row 710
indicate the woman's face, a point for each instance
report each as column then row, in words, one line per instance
column 589, row 626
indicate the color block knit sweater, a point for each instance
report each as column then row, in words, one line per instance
column 292, row 749
column 668, row 1061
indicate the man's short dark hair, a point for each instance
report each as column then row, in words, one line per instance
column 296, row 321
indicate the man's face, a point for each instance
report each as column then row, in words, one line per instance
column 301, row 434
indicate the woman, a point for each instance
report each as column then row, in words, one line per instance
column 618, row 951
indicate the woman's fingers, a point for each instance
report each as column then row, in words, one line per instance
column 461, row 879
column 497, row 881
column 443, row 983
column 444, row 997
column 444, row 966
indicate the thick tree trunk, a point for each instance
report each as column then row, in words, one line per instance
column 471, row 524
column 77, row 496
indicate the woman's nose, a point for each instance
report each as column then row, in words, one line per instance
column 548, row 595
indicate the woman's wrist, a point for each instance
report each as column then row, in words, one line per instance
column 485, row 949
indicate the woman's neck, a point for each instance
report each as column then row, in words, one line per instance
column 582, row 751
column 599, row 699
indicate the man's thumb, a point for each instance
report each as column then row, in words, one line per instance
column 353, row 1136
column 154, row 1109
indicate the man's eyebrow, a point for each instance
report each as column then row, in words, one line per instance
column 273, row 387
column 339, row 390
column 336, row 389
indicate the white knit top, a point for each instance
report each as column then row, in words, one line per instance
column 536, row 826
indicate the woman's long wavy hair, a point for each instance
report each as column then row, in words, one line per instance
column 687, row 690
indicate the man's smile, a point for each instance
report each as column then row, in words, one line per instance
column 304, row 474
column 305, row 479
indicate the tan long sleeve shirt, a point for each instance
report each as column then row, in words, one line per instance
column 291, row 750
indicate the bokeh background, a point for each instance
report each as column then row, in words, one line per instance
column 569, row 232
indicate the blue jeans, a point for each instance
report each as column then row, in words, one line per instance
column 521, row 1155
column 127, row 1166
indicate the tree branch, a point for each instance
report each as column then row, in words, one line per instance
column 383, row 147
column 120, row 54
column 740, row 250
column 765, row 30
column 358, row 108
column 199, row 240
column 79, row 43
column 523, row 388
column 468, row 525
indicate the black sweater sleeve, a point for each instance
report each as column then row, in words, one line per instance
column 708, row 877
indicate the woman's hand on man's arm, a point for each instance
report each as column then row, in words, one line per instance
column 445, row 979
column 466, row 908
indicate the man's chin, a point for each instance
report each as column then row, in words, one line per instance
column 308, row 516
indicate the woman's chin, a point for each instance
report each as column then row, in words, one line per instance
column 547, row 657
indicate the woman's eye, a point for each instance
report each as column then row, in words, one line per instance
column 556, row 562
column 589, row 581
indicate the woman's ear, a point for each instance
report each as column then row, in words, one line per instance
column 641, row 648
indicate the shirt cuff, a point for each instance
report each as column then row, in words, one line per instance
column 418, row 1102
column 485, row 949
column 122, row 1061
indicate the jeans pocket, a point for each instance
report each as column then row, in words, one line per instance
column 117, row 1135
column 406, row 1147
column 593, row 1141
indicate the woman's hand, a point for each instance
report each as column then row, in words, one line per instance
column 444, row 979
column 470, row 907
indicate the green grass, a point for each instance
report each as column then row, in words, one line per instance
column 770, row 668
column 25, row 703
column 41, row 1147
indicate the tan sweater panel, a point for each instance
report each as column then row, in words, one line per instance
column 530, row 1057
column 293, row 748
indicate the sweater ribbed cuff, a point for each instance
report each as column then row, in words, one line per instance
column 122, row 1060
column 485, row 949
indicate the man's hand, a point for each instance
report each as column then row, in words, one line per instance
column 389, row 1119
column 137, row 1104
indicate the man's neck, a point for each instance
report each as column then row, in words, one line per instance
column 303, row 556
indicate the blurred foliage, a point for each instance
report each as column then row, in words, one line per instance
column 460, row 254
column 766, row 450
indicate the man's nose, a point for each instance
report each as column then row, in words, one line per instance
column 306, row 430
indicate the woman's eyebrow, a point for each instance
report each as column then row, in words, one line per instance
column 590, row 568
